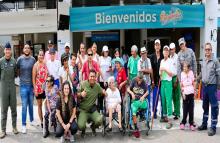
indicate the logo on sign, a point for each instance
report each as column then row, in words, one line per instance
column 173, row 16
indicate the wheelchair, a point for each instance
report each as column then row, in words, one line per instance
column 114, row 118
column 143, row 115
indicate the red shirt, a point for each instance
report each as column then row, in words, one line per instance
column 121, row 77
column 85, row 69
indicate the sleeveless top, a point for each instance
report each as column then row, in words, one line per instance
column 41, row 77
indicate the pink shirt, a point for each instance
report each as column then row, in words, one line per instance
column 47, row 56
column 187, row 82
column 85, row 69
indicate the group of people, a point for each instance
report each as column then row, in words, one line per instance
column 72, row 85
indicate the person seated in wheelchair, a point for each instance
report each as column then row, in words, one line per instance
column 66, row 113
column 88, row 95
column 113, row 103
column 138, row 91
column 51, row 92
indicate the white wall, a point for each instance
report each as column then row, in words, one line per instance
column 29, row 21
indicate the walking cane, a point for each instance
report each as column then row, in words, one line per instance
column 152, row 122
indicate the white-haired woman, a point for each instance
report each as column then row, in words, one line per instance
column 113, row 103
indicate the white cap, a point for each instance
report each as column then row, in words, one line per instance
column 143, row 50
column 67, row 44
column 181, row 41
column 134, row 48
column 105, row 48
column 157, row 41
column 166, row 47
column 172, row 46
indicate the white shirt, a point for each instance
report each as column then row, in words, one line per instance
column 105, row 63
column 53, row 68
column 96, row 57
column 145, row 64
column 169, row 67
column 174, row 62
column 113, row 97
column 64, row 76
column 83, row 59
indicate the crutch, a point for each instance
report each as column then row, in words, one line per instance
column 152, row 122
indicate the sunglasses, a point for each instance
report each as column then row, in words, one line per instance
column 89, row 54
column 208, row 49
column 48, row 80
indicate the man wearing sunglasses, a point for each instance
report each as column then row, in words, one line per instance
column 210, row 76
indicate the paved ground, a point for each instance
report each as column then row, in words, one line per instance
column 158, row 134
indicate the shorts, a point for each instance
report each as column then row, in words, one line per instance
column 41, row 96
column 138, row 105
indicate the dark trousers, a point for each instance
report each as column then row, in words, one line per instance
column 60, row 129
column 53, row 118
column 210, row 96
column 101, row 98
column 188, row 108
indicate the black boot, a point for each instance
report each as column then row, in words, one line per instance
column 202, row 127
column 46, row 134
column 211, row 132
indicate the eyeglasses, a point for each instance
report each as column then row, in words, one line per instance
column 89, row 54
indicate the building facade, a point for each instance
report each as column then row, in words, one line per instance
column 115, row 23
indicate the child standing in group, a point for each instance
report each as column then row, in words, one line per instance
column 188, row 90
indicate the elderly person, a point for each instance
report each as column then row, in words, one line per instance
column 47, row 53
column 138, row 91
column 175, row 81
column 132, row 63
column 66, row 113
column 185, row 55
column 116, row 55
column 113, row 103
column 211, row 82
column 166, row 74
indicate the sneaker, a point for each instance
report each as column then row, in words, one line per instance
column 136, row 133
column 15, row 131
column 24, row 130
column 62, row 140
column 202, row 127
column 33, row 123
column 211, row 132
column 169, row 125
column 164, row 120
column 192, row 127
column 176, row 118
column 72, row 139
column 108, row 129
column 182, row 127
column 2, row 134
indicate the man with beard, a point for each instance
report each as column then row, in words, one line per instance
column 25, row 65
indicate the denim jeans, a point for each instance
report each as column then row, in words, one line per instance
column 27, row 98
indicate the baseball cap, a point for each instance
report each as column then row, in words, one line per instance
column 119, row 61
column 166, row 47
column 134, row 48
column 105, row 48
column 143, row 50
column 67, row 44
column 181, row 41
column 140, row 75
column 172, row 46
column 50, row 42
column 52, row 51
column 7, row 45
column 157, row 41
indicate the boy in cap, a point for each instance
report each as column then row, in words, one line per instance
column 132, row 63
column 176, row 85
column 67, row 52
column 7, row 90
column 166, row 73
